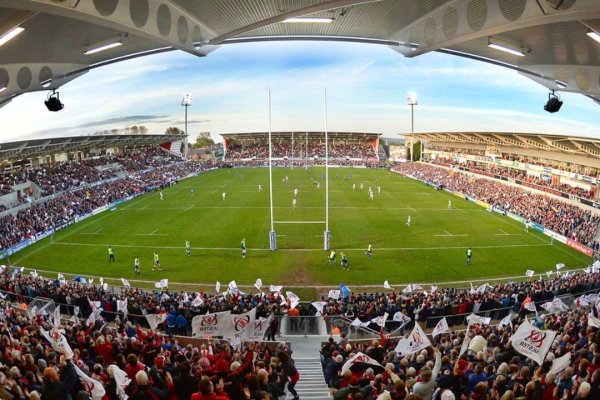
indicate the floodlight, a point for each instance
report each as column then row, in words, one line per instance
column 187, row 100
column 554, row 103
column 10, row 34
column 309, row 20
column 53, row 102
column 411, row 98
column 594, row 35
column 560, row 84
column 506, row 47
column 104, row 45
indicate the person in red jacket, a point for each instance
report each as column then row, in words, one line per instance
column 206, row 391
column 105, row 349
column 133, row 366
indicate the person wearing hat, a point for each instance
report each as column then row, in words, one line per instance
column 140, row 389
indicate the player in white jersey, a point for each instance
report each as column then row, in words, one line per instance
column 318, row 186
column 259, row 188
column 353, row 186
column 295, row 192
column 161, row 195
column 408, row 220
column 379, row 190
column 223, row 195
column 361, row 186
column 449, row 204
column 370, row 195
column 294, row 202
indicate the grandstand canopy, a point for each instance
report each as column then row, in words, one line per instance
column 570, row 145
column 21, row 150
column 552, row 34
column 263, row 136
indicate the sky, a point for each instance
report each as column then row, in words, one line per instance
column 366, row 88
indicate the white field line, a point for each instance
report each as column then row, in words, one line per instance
column 507, row 234
column 383, row 208
column 298, row 222
column 301, row 250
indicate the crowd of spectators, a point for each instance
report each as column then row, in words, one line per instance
column 557, row 215
column 60, row 210
column 517, row 174
column 61, row 176
column 337, row 150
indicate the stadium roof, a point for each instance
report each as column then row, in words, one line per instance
column 57, row 33
column 300, row 135
column 574, row 145
column 13, row 151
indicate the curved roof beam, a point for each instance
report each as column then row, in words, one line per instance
column 301, row 12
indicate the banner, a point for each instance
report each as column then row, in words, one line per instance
column 218, row 287
column 275, row 288
column 506, row 321
column 580, row 247
column 399, row 316
column 358, row 322
column 258, row 284
column 560, row 364
column 345, row 290
column 359, row 358
column 475, row 319
column 319, row 306
column 58, row 342
column 441, row 327
column 163, row 283
column 555, row 305
column 122, row 306
column 241, row 326
column 380, row 320
column 417, row 340
column 260, row 327
column 91, row 386
column 293, row 299
column 386, row 285
column 125, row 282
column 593, row 321
column 197, row 302
column 529, row 273
column 532, row 342
column 211, row 324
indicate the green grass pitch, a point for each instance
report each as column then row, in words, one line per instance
column 432, row 249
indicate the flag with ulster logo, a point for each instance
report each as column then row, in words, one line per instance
column 359, row 358
column 241, row 326
column 260, row 327
column 531, row 342
column 211, row 324
column 417, row 340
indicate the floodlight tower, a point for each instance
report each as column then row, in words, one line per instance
column 186, row 102
column 411, row 100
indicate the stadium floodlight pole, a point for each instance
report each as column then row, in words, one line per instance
column 186, row 102
column 292, row 149
column 411, row 99
column 306, row 162
column 272, row 234
column 326, row 234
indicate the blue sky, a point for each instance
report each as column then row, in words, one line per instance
column 366, row 89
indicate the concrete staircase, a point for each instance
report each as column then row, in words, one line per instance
column 312, row 383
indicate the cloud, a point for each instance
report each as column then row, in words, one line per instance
column 118, row 120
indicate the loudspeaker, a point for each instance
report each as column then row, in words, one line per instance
column 553, row 104
column 54, row 104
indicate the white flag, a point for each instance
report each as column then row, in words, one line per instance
column 358, row 322
column 155, row 319
column 380, row 320
column 258, row 284
column 94, row 316
column 101, row 281
column 58, row 341
column 260, row 327
column 506, row 321
column 197, row 302
column 185, row 297
column 122, row 306
column 91, row 386
column 593, row 321
column 334, row 294
column 293, row 299
column 476, row 319
column 386, row 285
column 595, row 267
column 218, row 287
column 549, row 273
column 588, row 270
column 163, row 283
column 560, row 266
column 319, row 306
column 433, row 289
column 121, row 380
column 532, row 342
column 275, row 288
column 240, row 326
column 529, row 273
column 531, row 307
column 481, row 289
column 359, row 358
column 34, row 273
column 125, row 283
column 465, row 344
column 417, row 340
column 90, row 280
column 441, row 327
column 555, row 305
column 232, row 286
column 561, row 363
column 400, row 317
column 105, row 286
column 56, row 317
